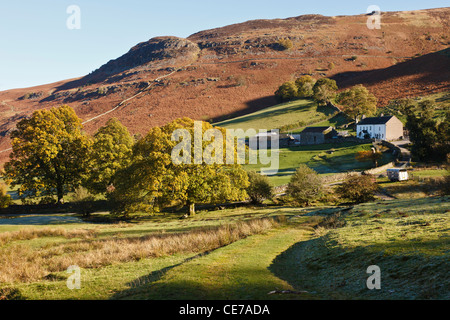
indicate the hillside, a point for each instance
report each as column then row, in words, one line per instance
column 226, row 72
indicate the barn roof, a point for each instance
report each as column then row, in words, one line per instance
column 315, row 129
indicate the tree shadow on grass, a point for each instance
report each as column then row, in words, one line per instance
column 141, row 285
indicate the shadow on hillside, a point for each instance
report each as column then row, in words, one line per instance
column 155, row 286
column 280, row 111
column 433, row 68
column 252, row 106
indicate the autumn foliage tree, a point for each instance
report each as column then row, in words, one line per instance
column 357, row 101
column 324, row 90
column 48, row 153
column 154, row 180
column 5, row 198
column 369, row 155
column 287, row 91
column 111, row 151
column 305, row 86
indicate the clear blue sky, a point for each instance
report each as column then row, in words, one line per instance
column 36, row 47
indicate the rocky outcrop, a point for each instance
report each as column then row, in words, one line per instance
column 153, row 54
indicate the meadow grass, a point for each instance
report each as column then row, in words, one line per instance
column 324, row 159
column 281, row 115
column 407, row 239
column 20, row 262
column 221, row 255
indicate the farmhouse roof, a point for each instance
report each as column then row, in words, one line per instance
column 375, row 120
column 316, row 129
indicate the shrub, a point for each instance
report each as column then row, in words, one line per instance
column 5, row 198
column 305, row 185
column 241, row 81
column 358, row 188
column 260, row 187
column 285, row 44
column 83, row 201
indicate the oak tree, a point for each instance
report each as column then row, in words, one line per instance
column 111, row 151
column 324, row 90
column 357, row 101
column 48, row 153
column 154, row 180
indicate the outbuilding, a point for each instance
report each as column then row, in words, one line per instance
column 397, row 174
column 317, row 135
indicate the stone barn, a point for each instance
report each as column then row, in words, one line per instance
column 317, row 135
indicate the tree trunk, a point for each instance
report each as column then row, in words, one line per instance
column 60, row 192
column 191, row 209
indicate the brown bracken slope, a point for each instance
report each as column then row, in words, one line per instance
column 228, row 71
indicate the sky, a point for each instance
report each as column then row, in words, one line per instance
column 45, row 41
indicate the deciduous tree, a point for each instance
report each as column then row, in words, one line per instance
column 287, row 91
column 324, row 90
column 154, row 180
column 48, row 153
column 358, row 188
column 305, row 86
column 357, row 101
column 368, row 155
column 111, row 151
column 429, row 135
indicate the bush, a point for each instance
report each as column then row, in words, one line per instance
column 285, row 44
column 241, row 81
column 260, row 188
column 5, row 198
column 83, row 201
column 358, row 188
column 305, row 185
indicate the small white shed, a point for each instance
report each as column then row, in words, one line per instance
column 397, row 174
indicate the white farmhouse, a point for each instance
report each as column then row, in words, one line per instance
column 387, row 128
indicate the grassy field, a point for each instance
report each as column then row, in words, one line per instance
column 293, row 114
column 336, row 121
column 442, row 102
column 408, row 239
column 320, row 158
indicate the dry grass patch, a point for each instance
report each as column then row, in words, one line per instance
column 22, row 263
column 28, row 234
